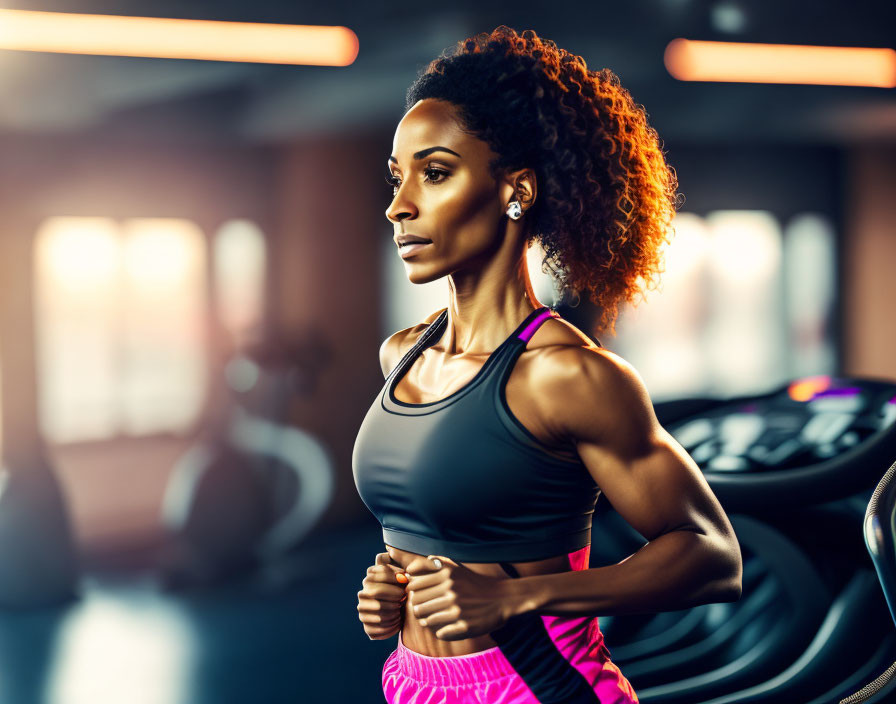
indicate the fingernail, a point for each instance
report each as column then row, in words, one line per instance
column 437, row 562
column 402, row 577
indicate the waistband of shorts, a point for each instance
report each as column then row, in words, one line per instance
column 484, row 666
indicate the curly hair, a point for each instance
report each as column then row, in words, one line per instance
column 607, row 193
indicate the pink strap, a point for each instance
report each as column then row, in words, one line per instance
column 530, row 329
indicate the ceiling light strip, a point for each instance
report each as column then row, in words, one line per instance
column 159, row 37
column 691, row 60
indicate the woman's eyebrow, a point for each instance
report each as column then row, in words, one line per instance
column 426, row 152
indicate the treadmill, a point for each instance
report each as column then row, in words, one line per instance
column 795, row 470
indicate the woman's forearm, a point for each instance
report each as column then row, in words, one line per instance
column 677, row 570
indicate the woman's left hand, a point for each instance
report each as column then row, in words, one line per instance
column 454, row 601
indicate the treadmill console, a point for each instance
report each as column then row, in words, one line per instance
column 808, row 421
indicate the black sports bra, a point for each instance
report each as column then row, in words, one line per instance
column 462, row 477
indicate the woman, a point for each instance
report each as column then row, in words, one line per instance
column 500, row 423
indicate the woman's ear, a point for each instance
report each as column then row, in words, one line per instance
column 523, row 187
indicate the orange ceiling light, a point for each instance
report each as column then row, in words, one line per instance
column 690, row 60
column 158, row 37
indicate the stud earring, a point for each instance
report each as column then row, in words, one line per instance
column 515, row 210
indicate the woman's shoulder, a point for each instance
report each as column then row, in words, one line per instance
column 560, row 333
column 408, row 337
column 572, row 378
column 564, row 350
column 397, row 345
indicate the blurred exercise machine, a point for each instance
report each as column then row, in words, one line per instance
column 252, row 486
column 794, row 470
column 880, row 538
column 38, row 559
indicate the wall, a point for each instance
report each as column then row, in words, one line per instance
column 869, row 290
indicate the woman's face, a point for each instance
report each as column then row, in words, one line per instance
column 443, row 192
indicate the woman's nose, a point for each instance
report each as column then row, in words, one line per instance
column 401, row 208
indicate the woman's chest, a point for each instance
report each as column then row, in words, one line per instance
column 433, row 377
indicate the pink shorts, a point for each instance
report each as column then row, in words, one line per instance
column 538, row 660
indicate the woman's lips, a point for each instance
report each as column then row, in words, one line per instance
column 408, row 250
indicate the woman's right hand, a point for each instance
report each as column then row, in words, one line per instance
column 381, row 601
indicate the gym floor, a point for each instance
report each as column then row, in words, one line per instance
column 289, row 635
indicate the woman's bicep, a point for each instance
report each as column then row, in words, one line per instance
column 657, row 491
column 601, row 405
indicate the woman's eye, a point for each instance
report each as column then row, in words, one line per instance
column 432, row 175
column 435, row 172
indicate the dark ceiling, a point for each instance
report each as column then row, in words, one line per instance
column 47, row 93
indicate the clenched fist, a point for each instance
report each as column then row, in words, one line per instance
column 381, row 600
column 455, row 602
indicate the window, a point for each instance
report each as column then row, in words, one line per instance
column 120, row 326
column 743, row 306
column 239, row 268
